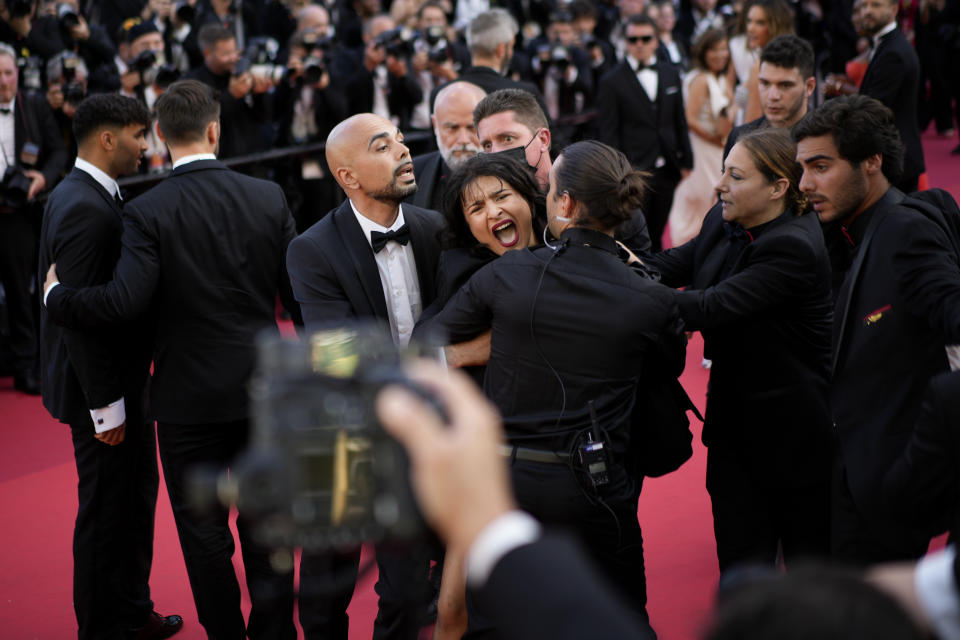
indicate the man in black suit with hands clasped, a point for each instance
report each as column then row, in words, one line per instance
column 370, row 259
column 207, row 246
column 642, row 114
column 94, row 381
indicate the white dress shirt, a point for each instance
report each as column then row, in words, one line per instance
column 936, row 590
column 649, row 79
column 197, row 156
column 8, row 137
column 398, row 275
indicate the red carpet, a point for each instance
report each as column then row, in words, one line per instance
column 38, row 503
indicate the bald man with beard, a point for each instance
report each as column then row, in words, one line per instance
column 457, row 142
column 369, row 259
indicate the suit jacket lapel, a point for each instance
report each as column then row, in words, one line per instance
column 361, row 256
column 83, row 176
column 850, row 285
column 424, row 251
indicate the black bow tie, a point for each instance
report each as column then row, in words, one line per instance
column 5, row 111
column 379, row 240
column 652, row 66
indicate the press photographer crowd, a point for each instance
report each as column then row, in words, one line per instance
column 551, row 196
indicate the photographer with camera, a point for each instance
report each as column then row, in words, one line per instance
column 32, row 158
column 89, row 41
column 244, row 99
column 66, row 88
column 23, row 29
column 563, row 73
column 310, row 101
column 437, row 60
column 382, row 83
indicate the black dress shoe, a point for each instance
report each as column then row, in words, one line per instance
column 158, row 627
column 27, row 383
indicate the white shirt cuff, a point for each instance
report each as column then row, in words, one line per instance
column 509, row 531
column 47, row 291
column 109, row 417
column 936, row 590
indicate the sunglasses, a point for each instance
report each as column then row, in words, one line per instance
column 643, row 39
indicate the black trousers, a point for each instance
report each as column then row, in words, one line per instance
column 327, row 581
column 861, row 539
column 609, row 532
column 753, row 513
column 113, row 535
column 656, row 204
column 18, row 272
column 207, row 542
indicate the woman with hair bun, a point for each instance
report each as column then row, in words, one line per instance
column 573, row 331
column 757, row 284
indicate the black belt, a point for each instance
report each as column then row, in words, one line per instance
column 534, row 455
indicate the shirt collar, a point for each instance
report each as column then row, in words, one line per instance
column 109, row 184
column 367, row 225
column 634, row 63
column 887, row 29
column 197, row 156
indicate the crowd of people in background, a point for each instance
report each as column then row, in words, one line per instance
column 501, row 176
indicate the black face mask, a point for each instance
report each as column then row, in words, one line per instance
column 519, row 153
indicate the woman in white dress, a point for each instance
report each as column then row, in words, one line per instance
column 710, row 114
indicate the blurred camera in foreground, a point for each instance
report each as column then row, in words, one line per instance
column 320, row 472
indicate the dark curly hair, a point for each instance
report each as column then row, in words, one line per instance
column 107, row 110
column 506, row 169
column 861, row 127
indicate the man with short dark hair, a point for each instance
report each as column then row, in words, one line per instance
column 786, row 81
column 641, row 113
column 897, row 287
column 206, row 247
column 94, row 381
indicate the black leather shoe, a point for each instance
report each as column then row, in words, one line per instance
column 158, row 627
column 27, row 383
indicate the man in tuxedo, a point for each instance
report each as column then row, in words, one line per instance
column 32, row 157
column 642, row 114
column 456, row 140
column 94, row 381
column 893, row 78
column 897, row 307
column 785, row 82
column 370, row 259
column 207, row 247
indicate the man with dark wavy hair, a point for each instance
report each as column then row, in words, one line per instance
column 897, row 288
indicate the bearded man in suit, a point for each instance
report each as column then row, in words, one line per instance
column 370, row 259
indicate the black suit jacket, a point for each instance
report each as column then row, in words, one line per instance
column 923, row 485
column 893, row 78
column 898, row 306
column 89, row 369
column 766, row 326
column 334, row 274
column 598, row 326
column 547, row 590
column 640, row 128
column 430, row 169
column 208, row 244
